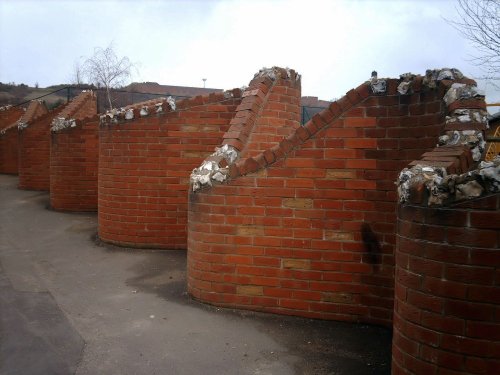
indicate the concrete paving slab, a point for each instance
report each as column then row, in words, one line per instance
column 70, row 305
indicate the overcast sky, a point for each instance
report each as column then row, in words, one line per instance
column 333, row 44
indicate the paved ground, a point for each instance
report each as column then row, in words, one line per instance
column 71, row 306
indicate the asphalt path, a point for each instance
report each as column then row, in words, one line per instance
column 71, row 305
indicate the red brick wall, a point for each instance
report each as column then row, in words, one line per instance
column 144, row 168
column 9, row 116
column 268, row 112
column 35, row 109
column 34, row 152
column 9, row 144
column 84, row 105
column 74, row 156
column 309, row 227
column 278, row 114
column 447, row 300
column 9, row 137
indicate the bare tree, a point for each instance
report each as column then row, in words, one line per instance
column 480, row 24
column 106, row 69
column 77, row 74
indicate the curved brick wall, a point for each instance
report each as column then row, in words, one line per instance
column 74, row 156
column 9, row 139
column 9, row 145
column 9, row 115
column 144, row 167
column 307, row 227
column 448, row 289
column 34, row 152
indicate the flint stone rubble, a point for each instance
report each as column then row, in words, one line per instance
column 159, row 107
column 462, row 91
column 432, row 76
column 406, row 83
column 127, row 113
column 275, row 73
column 445, row 189
column 171, row 103
column 211, row 170
column 61, row 123
column 476, row 118
column 439, row 187
column 472, row 138
column 144, row 111
column 467, row 115
column 378, row 86
column 155, row 106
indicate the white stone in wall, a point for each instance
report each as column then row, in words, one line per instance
column 210, row 171
column 404, row 87
column 171, row 103
column 469, row 190
column 461, row 91
column 61, row 123
column 266, row 72
column 129, row 114
column 378, row 86
column 229, row 153
column 144, row 111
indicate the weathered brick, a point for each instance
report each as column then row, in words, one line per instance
column 303, row 203
column 303, row 264
column 253, row 290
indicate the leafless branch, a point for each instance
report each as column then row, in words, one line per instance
column 106, row 69
column 77, row 74
column 480, row 24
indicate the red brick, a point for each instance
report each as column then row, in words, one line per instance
column 425, row 301
column 360, row 143
column 363, row 122
column 442, row 358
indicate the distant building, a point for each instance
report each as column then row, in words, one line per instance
column 168, row 90
column 310, row 105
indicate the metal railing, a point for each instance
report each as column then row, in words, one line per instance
column 307, row 112
column 119, row 98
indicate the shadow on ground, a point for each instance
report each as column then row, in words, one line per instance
column 325, row 347
column 72, row 305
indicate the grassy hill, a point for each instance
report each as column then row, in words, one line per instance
column 17, row 94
